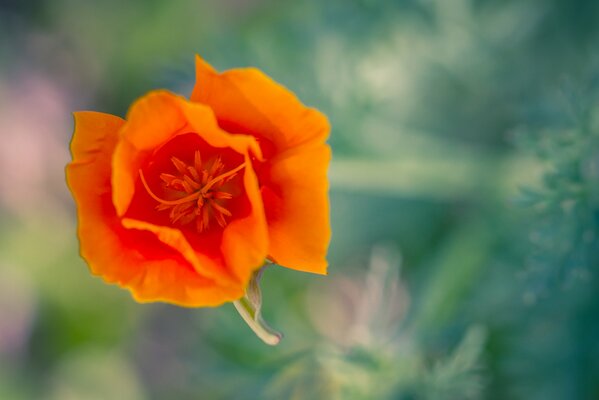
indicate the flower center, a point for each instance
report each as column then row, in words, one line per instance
column 201, row 192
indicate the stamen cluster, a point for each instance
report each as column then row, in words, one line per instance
column 201, row 190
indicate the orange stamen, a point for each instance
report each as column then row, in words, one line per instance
column 222, row 176
column 180, row 165
column 165, row 202
column 221, row 209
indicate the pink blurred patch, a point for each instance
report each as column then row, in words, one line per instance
column 362, row 310
column 36, row 121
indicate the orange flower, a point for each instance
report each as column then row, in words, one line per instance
column 184, row 200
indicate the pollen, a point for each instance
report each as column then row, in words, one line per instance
column 201, row 190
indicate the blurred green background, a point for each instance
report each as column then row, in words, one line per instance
column 464, row 197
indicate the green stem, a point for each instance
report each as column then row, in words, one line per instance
column 256, row 323
column 249, row 308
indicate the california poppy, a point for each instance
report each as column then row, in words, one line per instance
column 184, row 200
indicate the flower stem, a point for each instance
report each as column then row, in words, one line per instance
column 263, row 331
column 249, row 308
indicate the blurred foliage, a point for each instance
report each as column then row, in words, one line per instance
column 565, row 204
column 464, row 200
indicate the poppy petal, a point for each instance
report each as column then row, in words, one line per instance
column 174, row 238
column 295, row 198
column 152, row 121
column 253, row 103
column 245, row 240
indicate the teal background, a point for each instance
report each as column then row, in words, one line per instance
column 464, row 200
